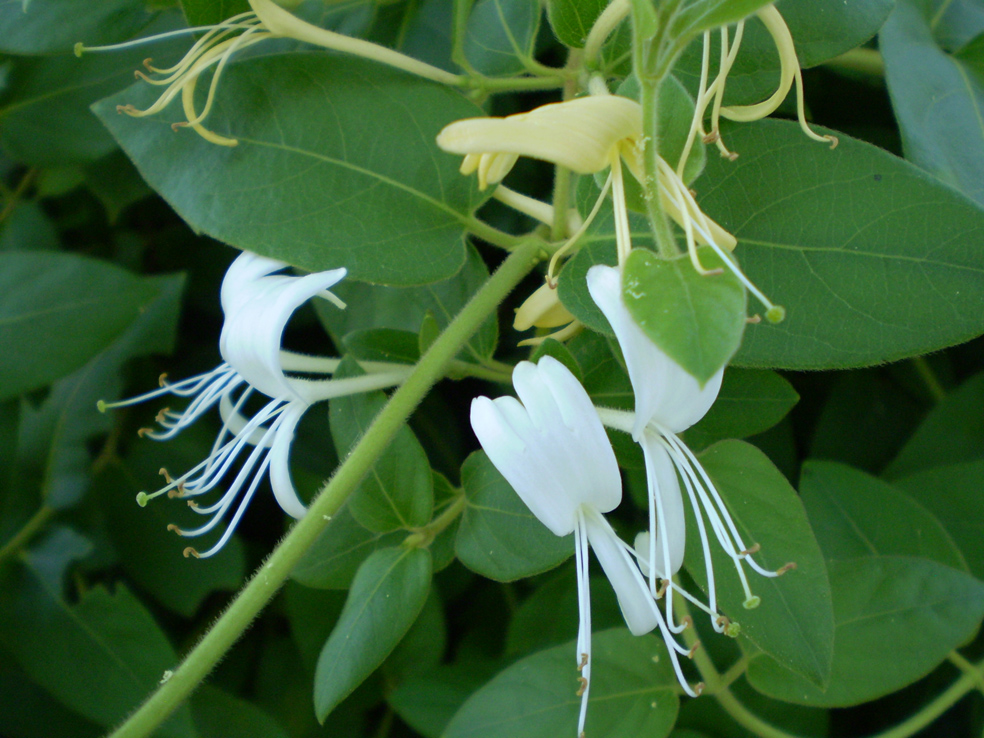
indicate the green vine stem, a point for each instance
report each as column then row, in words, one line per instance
column 665, row 243
column 271, row 575
column 26, row 533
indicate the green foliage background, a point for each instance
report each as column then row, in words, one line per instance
column 860, row 417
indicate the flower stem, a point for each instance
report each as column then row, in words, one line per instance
column 26, row 533
column 268, row 579
column 665, row 242
column 926, row 373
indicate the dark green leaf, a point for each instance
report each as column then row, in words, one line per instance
column 499, row 537
column 101, row 656
column 27, row 228
column 794, row 622
column 897, row 618
column 572, row 20
column 376, row 144
column 45, row 112
column 697, row 320
column 386, row 596
column 336, row 555
column 855, row 515
column 405, row 308
column 632, row 694
column 57, row 311
column 555, row 349
column 313, row 614
column 953, row 495
column 26, row 711
column 501, row 34
column 51, row 26
column 423, row 647
column 53, row 436
column 398, row 492
column 937, row 98
column 952, row 432
column 219, row 714
column 383, row 344
column 697, row 16
column 838, row 234
column 750, row 402
column 207, row 12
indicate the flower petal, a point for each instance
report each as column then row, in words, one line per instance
column 666, row 499
column 637, row 605
column 578, row 134
column 283, row 487
column 664, row 392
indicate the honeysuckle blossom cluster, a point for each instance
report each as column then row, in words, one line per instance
column 257, row 302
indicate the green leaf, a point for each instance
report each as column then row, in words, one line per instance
column 375, row 144
column 952, row 432
column 399, row 490
column 499, row 537
column 208, row 12
column 423, row 647
column 383, row 344
column 957, row 22
column 219, row 714
column 60, row 310
column 571, row 20
column 44, row 111
column 697, row 16
column 501, row 34
column 794, row 622
column 556, row 350
column 406, row 308
column 53, row 436
column 892, row 574
column 52, row 26
column 750, row 402
column 865, row 420
column 897, row 619
column 387, row 595
column 427, row 702
column 313, row 614
column 953, row 495
column 937, row 98
column 632, row 694
column 549, row 616
column 116, row 182
column 697, row 320
column 333, row 559
column 28, row 228
column 840, row 502
column 605, row 378
column 27, row 711
column 838, row 234
column 100, row 656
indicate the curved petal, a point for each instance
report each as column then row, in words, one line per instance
column 242, row 274
column 253, row 332
column 578, row 134
column 666, row 499
column 507, row 435
column 283, row 487
column 637, row 605
column 664, row 392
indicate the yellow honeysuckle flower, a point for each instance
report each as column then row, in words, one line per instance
column 713, row 94
column 585, row 135
column 543, row 309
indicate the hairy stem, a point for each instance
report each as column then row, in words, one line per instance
column 268, row 579
column 665, row 242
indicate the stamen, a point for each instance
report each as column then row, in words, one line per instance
column 786, row 567
column 693, row 649
column 583, row 686
column 569, row 243
column 698, row 689
column 754, row 548
column 191, row 552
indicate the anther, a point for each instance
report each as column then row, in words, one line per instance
column 722, row 622
column 785, row 567
column 750, row 550
column 162, row 380
column 192, row 504
column 693, row 649
column 711, row 137
column 584, row 661
column 663, row 586
column 144, row 431
column 162, row 416
column 584, row 685
column 699, row 689
column 833, row 141
column 172, row 493
column 167, row 477
column 754, row 319
column 686, row 621
column 191, row 552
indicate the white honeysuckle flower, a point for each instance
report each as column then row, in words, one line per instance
column 668, row 400
column 257, row 303
column 551, row 447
